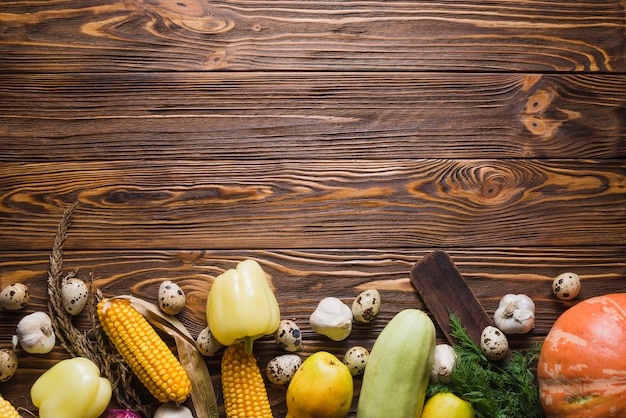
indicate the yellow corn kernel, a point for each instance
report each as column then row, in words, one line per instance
column 245, row 395
column 7, row 410
column 150, row 359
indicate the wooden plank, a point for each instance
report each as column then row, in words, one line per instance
column 301, row 279
column 311, row 116
column 444, row 291
column 322, row 204
column 141, row 35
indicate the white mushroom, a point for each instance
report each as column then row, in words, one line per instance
column 280, row 370
column 14, row 297
column 566, row 286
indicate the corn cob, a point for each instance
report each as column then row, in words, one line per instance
column 7, row 410
column 245, row 395
column 150, row 359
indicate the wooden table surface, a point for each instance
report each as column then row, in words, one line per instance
column 335, row 142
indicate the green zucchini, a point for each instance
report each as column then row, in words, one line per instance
column 398, row 369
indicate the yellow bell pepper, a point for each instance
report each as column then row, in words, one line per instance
column 242, row 306
column 72, row 388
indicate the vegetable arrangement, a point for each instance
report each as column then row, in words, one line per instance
column 496, row 389
column 580, row 368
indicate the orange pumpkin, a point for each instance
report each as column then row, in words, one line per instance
column 582, row 363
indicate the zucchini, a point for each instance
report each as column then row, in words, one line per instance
column 398, row 369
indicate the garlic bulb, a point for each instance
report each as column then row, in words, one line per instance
column 332, row 318
column 515, row 314
column 35, row 333
column 171, row 410
column 444, row 363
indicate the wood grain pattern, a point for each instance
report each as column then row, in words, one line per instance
column 142, row 35
column 335, row 142
column 311, row 116
column 304, row 204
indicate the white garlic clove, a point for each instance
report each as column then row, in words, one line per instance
column 280, row 370
column 14, row 297
column 206, row 343
column 332, row 318
column 171, row 298
column 35, row 333
column 288, row 335
column 8, row 364
column 74, row 295
column 356, row 359
column 494, row 343
column 366, row 305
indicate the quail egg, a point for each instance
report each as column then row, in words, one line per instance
column 281, row 369
column 356, row 359
column 74, row 294
column 8, row 364
column 493, row 343
column 288, row 335
column 171, row 298
column 366, row 305
column 14, row 297
column 566, row 286
column 206, row 343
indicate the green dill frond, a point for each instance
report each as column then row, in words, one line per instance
column 504, row 389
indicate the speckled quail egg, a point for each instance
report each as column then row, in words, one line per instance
column 493, row 343
column 366, row 305
column 206, row 343
column 74, row 295
column 288, row 335
column 14, row 297
column 8, row 364
column 281, row 369
column 356, row 359
column 171, row 298
column 566, row 286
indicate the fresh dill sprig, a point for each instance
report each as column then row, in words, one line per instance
column 503, row 389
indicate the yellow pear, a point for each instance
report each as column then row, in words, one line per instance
column 447, row 405
column 321, row 388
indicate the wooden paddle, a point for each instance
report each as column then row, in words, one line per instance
column 444, row 290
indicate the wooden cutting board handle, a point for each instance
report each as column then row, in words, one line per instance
column 443, row 290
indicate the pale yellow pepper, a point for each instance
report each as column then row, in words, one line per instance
column 72, row 388
column 242, row 306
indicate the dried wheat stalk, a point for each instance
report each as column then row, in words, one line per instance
column 77, row 342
